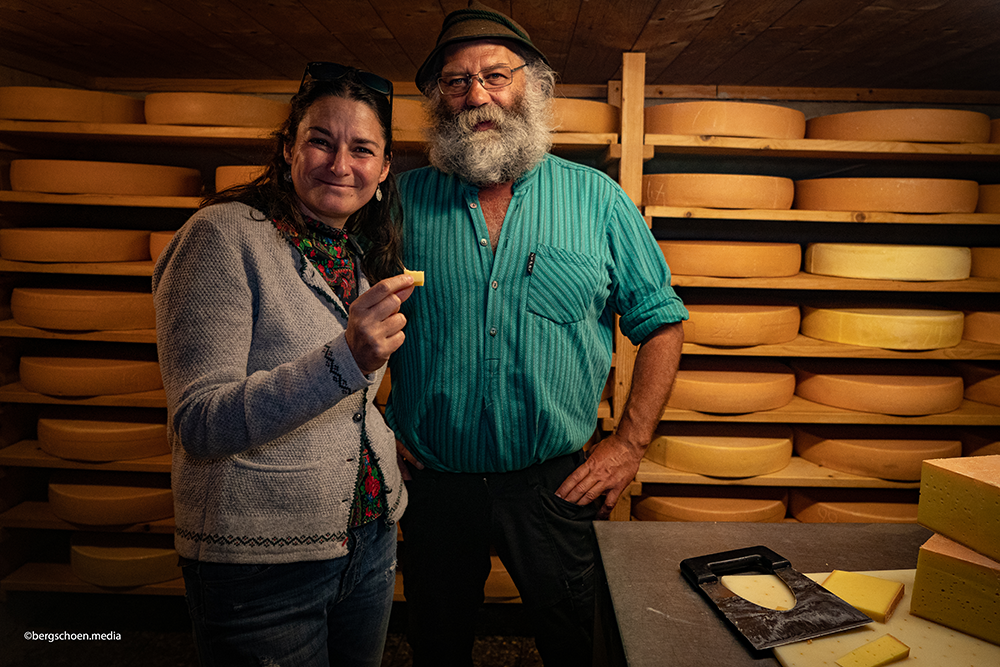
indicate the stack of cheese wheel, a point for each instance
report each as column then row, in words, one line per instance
column 157, row 242
column 64, row 104
column 110, row 499
column 740, row 322
column 83, row 309
column 713, row 503
column 989, row 199
column 985, row 263
column 886, row 452
column 813, row 505
column 232, row 175
column 980, row 441
column 731, row 385
column 216, row 109
column 982, row 380
column 109, row 435
column 103, row 178
column 891, row 195
column 982, row 326
column 98, row 373
column 893, row 387
column 408, row 114
column 590, row 116
column 123, row 560
column 918, row 125
column 738, row 191
column 732, row 259
column 884, row 261
column 66, row 244
column 891, row 328
column 722, row 450
column 725, row 119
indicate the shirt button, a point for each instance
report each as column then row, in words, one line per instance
column 493, row 331
column 357, row 417
column 473, row 205
column 495, row 284
column 483, row 242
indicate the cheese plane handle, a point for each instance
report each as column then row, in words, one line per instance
column 707, row 569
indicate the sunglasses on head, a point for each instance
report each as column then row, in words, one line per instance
column 320, row 71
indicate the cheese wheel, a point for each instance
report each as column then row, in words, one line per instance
column 980, row 441
column 982, row 380
column 714, row 503
column 157, row 242
column 591, row 116
column 65, row 104
column 110, row 499
column 918, row 125
column 877, row 261
column 722, row 450
column 986, row 262
column 409, row 115
column 217, row 109
column 102, row 439
column 995, row 131
column 67, row 244
column 103, row 178
column 989, row 199
column 123, row 560
column 718, row 191
column 82, row 309
column 893, row 195
column 893, row 387
column 886, row 452
column 888, row 328
column 69, row 376
column 732, row 259
column 726, row 119
column 817, row 505
column 232, row 175
column 960, row 499
column 731, row 385
column 740, row 324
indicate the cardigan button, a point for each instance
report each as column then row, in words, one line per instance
column 357, row 417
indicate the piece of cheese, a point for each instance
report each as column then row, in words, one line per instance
column 499, row 584
column 892, row 387
column 103, row 178
column 918, row 125
column 157, row 242
column 882, row 651
column 989, row 199
column 885, row 327
column 732, row 259
column 418, row 277
column 982, row 380
column 995, row 131
column 870, row 595
column 894, row 195
column 986, row 262
column 876, row 261
column 725, row 119
column 123, row 560
column 714, row 503
column 819, row 505
column 982, row 441
column 738, row 323
column 591, row 116
column 737, row 191
column 408, row 115
column 958, row 588
column 722, row 450
column 66, row 244
column 764, row 590
column 65, row 104
column 110, row 499
column 216, row 109
column 82, row 309
column 960, row 499
column 231, row 175
column 73, row 376
column 102, row 439
column 731, row 385
column 886, row 452
column 982, row 326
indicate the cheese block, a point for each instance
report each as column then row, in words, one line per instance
column 995, row 131
column 877, row 261
column 886, row 452
column 893, row 195
column 873, row 596
column 74, row 376
column 718, row 191
column 885, row 327
column 989, row 199
column 957, row 587
column 982, row 380
column 819, row 505
column 120, row 439
column 982, row 326
column 919, row 125
column 714, row 503
column 82, row 309
column 722, row 450
column 409, row 114
column 882, row 651
column 731, row 385
column 732, row 259
column 107, row 499
column 893, row 387
column 232, row 175
column 983, row 441
column 123, row 560
column 725, row 119
column 591, row 116
column 217, row 109
column 740, row 323
column 960, row 499
column 986, row 262
column 66, row 244
column 103, row 178
column 66, row 104
column 157, row 242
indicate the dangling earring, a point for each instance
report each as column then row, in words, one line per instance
column 378, row 193
column 288, row 176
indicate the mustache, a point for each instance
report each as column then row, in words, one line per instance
column 467, row 119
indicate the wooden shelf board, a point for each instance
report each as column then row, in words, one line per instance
column 27, row 453
column 59, row 578
column 796, row 215
column 12, row 329
column 809, row 281
column 130, row 132
column 803, row 346
column 16, row 393
column 139, row 201
column 143, row 269
column 38, row 515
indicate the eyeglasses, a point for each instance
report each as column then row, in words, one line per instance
column 491, row 78
column 320, row 71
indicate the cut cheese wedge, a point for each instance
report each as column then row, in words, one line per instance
column 815, row 505
column 986, row 262
column 989, row 199
column 870, row 595
column 103, row 178
column 960, row 499
column 216, row 109
column 74, row 376
column 718, row 191
column 232, row 175
column 722, row 450
column 123, row 560
column 110, row 499
column 740, row 324
column 725, row 119
column 82, row 309
column 882, row 651
column 888, row 328
column 714, row 503
column 982, row 380
column 65, row 104
column 591, row 116
column 157, row 242
column 732, row 259
column 876, row 261
column 66, row 244
column 917, row 125
column 409, row 115
column 418, row 277
column 97, row 439
column 893, row 195
column 983, row 441
column 731, row 385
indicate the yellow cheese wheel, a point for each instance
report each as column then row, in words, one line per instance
column 67, row 244
column 982, row 441
column 893, row 387
column 883, row 261
column 995, row 131
column 732, row 259
column 989, row 199
column 110, row 499
column 718, row 191
column 888, row 328
column 960, row 499
column 894, row 195
column 982, row 380
column 573, row 115
column 82, row 309
column 123, row 560
column 714, row 503
column 65, row 104
column 123, row 438
column 217, row 109
column 986, row 262
column 731, row 385
column 230, row 175
column 740, row 324
column 157, row 242
column 722, row 450
column 726, row 119
column 70, row 376
column 816, row 505
column 919, row 125
column 103, row 178
column 408, row 114
column 888, row 452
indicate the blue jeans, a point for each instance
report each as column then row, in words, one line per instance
column 312, row 613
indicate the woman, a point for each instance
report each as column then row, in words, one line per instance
column 272, row 346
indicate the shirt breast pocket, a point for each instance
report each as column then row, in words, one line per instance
column 565, row 286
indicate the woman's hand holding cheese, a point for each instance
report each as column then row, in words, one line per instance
column 375, row 325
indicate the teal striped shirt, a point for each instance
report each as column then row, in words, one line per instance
column 505, row 357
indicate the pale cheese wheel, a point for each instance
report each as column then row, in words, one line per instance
column 878, row 261
column 123, row 560
column 70, row 376
column 722, row 450
column 879, row 386
column 103, row 178
column 732, row 259
column 714, row 503
column 886, row 452
column 989, row 199
column 215, row 109
column 986, row 262
column 82, row 309
column 731, row 385
column 995, row 131
column 725, row 119
column 718, row 191
column 591, row 116
column 811, row 505
column 102, row 439
column 157, row 242
column 982, row 380
column 917, row 125
column 893, row 195
column 232, row 175
column 887, row 328
column 110, row 499
column 69, row 244
column 740, row 324
column 409, row 114
column 65, row 104
column 983, row 441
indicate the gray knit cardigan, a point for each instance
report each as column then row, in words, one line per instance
column 266, row 405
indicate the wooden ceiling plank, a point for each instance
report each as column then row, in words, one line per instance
column 603, row 32
column 671, row 28
column 415, row 25
column 554, row 21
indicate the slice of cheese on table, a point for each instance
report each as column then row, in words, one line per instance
column 764, row 590
column 982, row 380
column 119, row 436
column 732, row 259
column 892, row 195
column 918, row 125
column 722, row 450
column 891, row 328
column 882, row 651
column 982, row 326
column 158, row 241
column 819, row 505
column 960, row 499
column 66, row 244
column 110, row 499
column 590, row 116
column 874, row 261
column 230, row 175
column 89, row 376
column 103, row 178
column 65, row 104
column 731, row 385
column 735, row 191
column 986, row 262
column 82, row 309
column 870, row 595
column 980, row 441
column 725, row 119
column 714, row 503
column 215, row 109
column 989, row 199
column 739, row 323
column 123, row 560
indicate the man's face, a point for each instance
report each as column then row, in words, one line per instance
column 467, row 59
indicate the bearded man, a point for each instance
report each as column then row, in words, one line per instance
column 508, row 346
